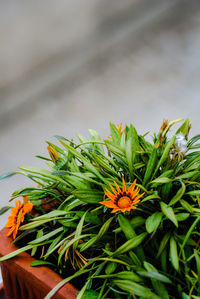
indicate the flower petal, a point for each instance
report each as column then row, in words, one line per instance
column 28, row 207
column 108, row 204
column 109, row 194
column 118, row 189
column 113, row 189
column 124, row 185
column 139, row 195
column 132, row 187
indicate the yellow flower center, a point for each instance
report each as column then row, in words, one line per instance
column 124, row 202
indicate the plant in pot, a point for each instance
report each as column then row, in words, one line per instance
column 119, row 218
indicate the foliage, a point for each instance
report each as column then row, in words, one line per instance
column 150, row 252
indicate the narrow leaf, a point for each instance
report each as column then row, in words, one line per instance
column 153, row 222
column 174, row 254
column 169, row 213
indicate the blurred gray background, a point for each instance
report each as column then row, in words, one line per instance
column 66, row 66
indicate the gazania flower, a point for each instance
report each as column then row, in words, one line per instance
column 17, row 216
column 122, row 200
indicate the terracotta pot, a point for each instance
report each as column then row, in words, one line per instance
column 21, row 281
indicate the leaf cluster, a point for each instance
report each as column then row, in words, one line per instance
column 151, row 252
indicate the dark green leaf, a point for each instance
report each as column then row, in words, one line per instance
column 169, row 213
column 4, row 210
column 174, row 254
column 41, row 263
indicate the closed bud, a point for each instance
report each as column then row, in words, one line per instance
column 53, row 153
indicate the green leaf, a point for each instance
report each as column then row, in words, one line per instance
column 79, row 230
column 165, row 154
column 7, row 175
column 53, row 246
column 197, row 258
column 169, row 213
column 39, row 234
column 174, row 254
column 88, row 195
column 185, row 296
column 47, row 236
column 163, row 244
column 155, row 275
column 182, row 216
column 16, row 252
column 115, row 133
column 80, row 294
column 129, row 156
column 130, row 244
column 110, row 268
column 186, row 206
column 163, row 180
column 42, row 172
column 127, row 275
column 153, row 222
column 41, row 263
column 95, row 137
column 4, row 210
column 135, row 288
column 194, row 193
column 70, row 243
column 90, row 294
column 106, row 166
column 150, row 167
column 131, row 148
column 126, row 227
column 189, row 233
column 64, row 281
column 90, row 218
column 52, row 214
column 100, row 234
column 184, row 128
column 178, row 195
column 149, row 197
column 137, row 221
column 158, row 286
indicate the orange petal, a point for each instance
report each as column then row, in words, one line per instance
column 124, row 185
column 113, row 190
column 28, row 207
column 132, row 187
column 139, row 195
column 115, row 210
column 14, row 212
column 133, row 207
column 15, row 233
column 135, row 192
column 135, row 202
column 109, row 194
column 118, row 189
column 108, row 204
column 10, row 231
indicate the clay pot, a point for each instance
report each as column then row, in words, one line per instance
column 21, row 281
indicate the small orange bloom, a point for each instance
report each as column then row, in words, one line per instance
column 17, row 216
column 122, row 200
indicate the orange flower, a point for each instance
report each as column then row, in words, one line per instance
column 17, row 216
column 122, row 200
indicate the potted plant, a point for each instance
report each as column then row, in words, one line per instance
column 119, row 218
